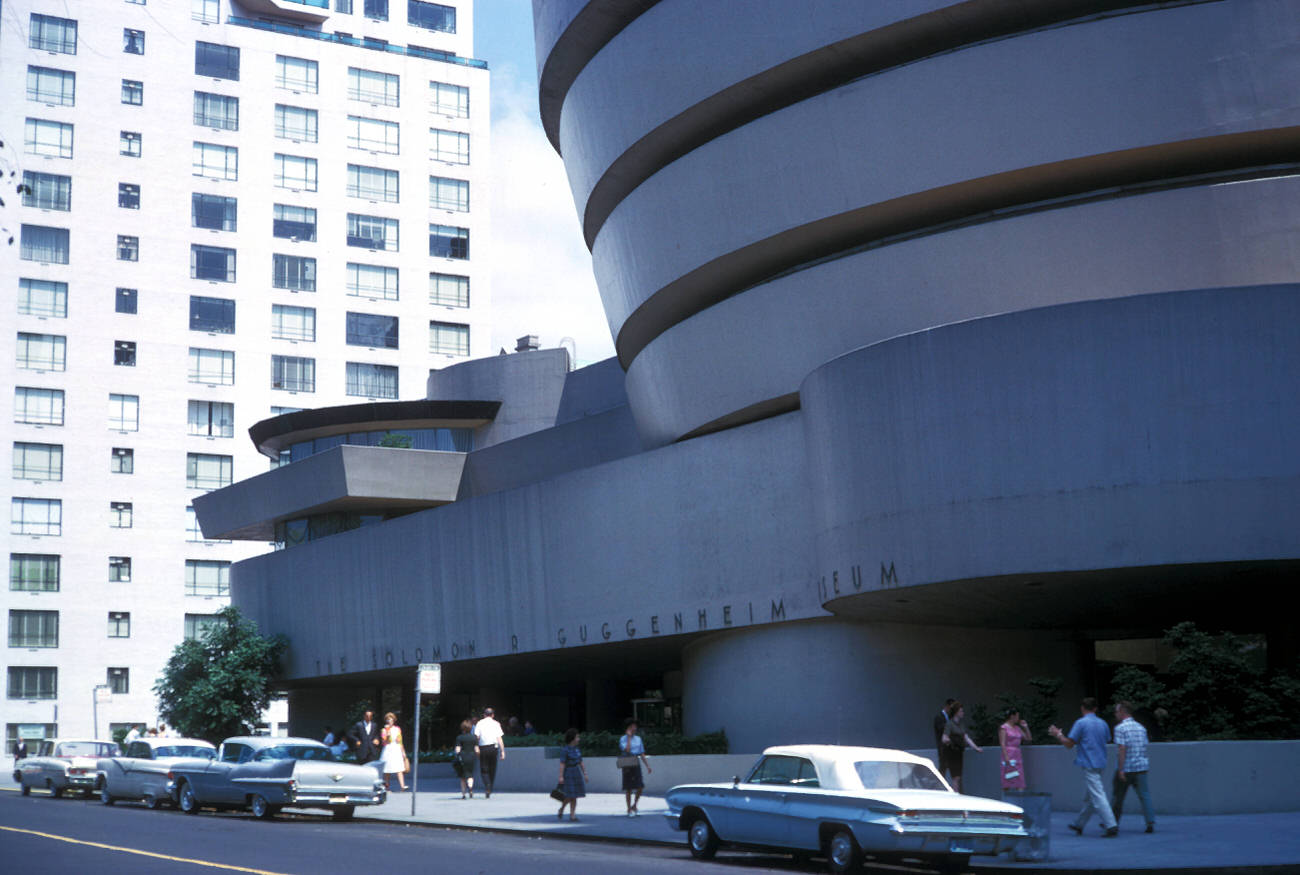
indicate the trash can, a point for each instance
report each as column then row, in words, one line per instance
column 1038, row 823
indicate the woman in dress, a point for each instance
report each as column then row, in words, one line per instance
column 957, row 739
column 573, row 775
column 394, row 755
column 630, row 746
column 466, row 757
column 1011, row 733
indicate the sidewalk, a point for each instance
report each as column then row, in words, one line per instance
column 1258, row 843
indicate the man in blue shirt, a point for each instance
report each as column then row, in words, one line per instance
column 1089, row 735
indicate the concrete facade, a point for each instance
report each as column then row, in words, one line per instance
column 953, row 338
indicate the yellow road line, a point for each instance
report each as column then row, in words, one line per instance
column 208, row 863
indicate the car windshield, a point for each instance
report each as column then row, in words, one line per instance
column 887, row 775
column 295, row 752
column 86, row 749
column 184, row 750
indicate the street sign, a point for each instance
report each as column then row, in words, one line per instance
column 429, row 678
column 103, row 694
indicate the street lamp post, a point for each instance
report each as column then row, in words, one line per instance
column 102, row 693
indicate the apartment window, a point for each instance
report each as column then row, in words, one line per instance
column 213, row 211
column 214, row 419
column 33, row 628
column 344, row 6
column 431, row 16
column 449, row 289
column 132, row 92
column 119, row 679
column 372, row 86
column 293, row 323
column 44, row 244
column 119, row 626
column 208, row 470
column 372, row 232
column 449, row 146
column 295, row 123
column 448, row 99
column 47, row 138
column 296, row 74
column 120, row 514
column 293, row 373
column 372, row 183
column 377, row 9
column 48, row 85
column 296, row 172
column 448, row 338
column 215, row 315
column 119, row 569
column 371, row 381
column 132, row 41
column 208, row 11
column 294, row 272
column 197, row 624
column 371, row 329
column 42, row 352
column 124, row 353
column 215, row 367
column 38, row 461
column 33, row 572
column 294, row 223
column 446, row 241
column 124, row 412
column 449, row 194
column 373, row 135
column 207, row 577
column 219, row 62
column 193, row 532
column 47, row 191
column 216, row 111
column 129, row 144
column 33, row 406
column 35, row 516
column 128, row 247
column 42, row 298
column 122, row 461
column 215, row 263
column 128, row 195
column 372, row 281
column 125, row 300
column 49, row 34
column 33, row 682
column 214, row 161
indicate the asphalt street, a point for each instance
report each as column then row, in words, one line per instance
column 39, row 834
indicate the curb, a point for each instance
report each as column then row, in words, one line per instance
column 527, row 833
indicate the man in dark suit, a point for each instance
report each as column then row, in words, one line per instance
column 366, row 738
column 940, row 723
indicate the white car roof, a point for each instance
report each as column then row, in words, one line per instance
column 167, row 741
column 57, row 741
column 261, row 741
column 838, row 753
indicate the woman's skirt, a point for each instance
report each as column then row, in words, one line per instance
column 632, row 779
column 573, row 785
column 394, row 759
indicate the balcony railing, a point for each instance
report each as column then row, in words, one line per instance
column 413, row 51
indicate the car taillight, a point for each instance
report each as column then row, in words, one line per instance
column 76, row 771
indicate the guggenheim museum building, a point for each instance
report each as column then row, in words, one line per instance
column 956, row 342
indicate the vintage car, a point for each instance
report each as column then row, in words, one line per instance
column 144, row 772
column 64, row 764
column 844, row 803
column 265, row 774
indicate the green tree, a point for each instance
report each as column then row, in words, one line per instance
column 218, row 685
column 400, row 441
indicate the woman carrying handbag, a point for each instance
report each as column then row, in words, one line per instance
column 631, row 754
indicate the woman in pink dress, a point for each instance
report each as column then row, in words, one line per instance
column 1010, row 734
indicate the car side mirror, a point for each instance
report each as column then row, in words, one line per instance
column 735, row 781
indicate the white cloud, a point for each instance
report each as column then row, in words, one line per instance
column 542, row 281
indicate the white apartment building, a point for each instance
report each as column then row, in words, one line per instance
column 236, row 209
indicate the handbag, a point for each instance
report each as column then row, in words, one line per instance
column 626, row 762
column 558, row 794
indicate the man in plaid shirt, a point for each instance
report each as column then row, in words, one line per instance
column 1131, row 737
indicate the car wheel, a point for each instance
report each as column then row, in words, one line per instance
column 701, row 839
column 27, row 790
column 152, row 802
column 344, row 812
column 104, row 795
column 55, row 792
column 842, row 853
column 953, row 865
column 262, row 809
column 186, row 800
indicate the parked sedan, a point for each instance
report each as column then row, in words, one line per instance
column 145, row 772
column 64, row 764
column 265, row 774
column 844, row 803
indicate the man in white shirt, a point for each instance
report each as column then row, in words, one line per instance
column 491, row 748
column 1132, row 739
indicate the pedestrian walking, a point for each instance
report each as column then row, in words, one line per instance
column 955, row 740
column 1011, row 733
column 940, row 723
column 366, row 739
column 573, row 775
column 466, row 758
column 1131, row 765
column 492, row 749
column 631, row 757
column 394, row 755
column 1089, row 735
column 20, row 750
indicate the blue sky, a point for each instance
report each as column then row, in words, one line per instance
column 541, row 271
